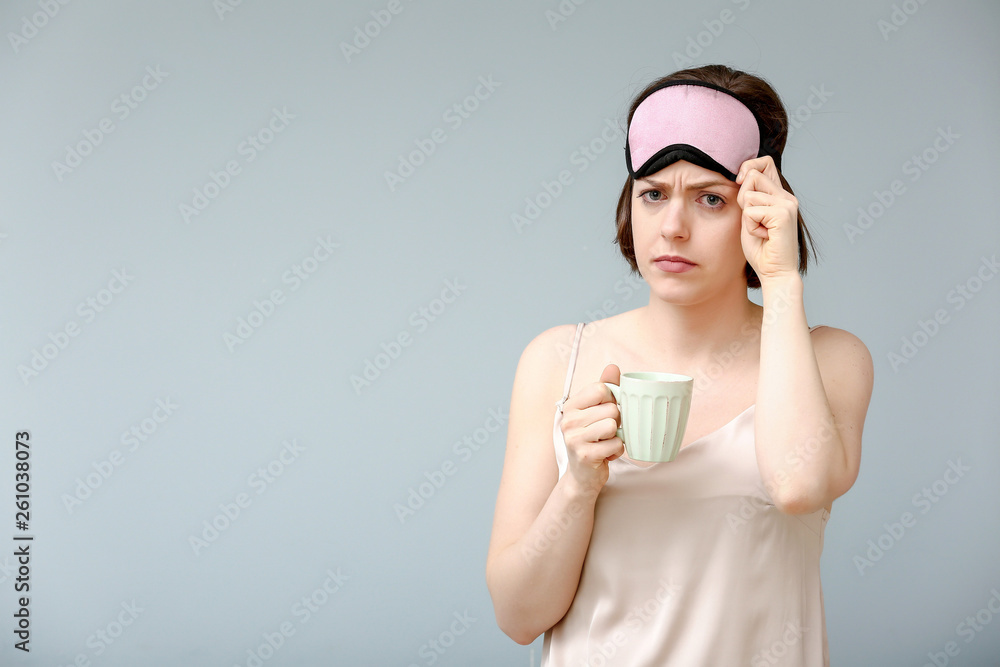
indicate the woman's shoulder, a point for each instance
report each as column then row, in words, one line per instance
column 538, row 380
column 548, row 353
column 557, row 342
column 838, row 341
column 841, row 353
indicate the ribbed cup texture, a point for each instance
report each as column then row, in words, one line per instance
column 653, row 431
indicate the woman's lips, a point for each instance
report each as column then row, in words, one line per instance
column 673, row 266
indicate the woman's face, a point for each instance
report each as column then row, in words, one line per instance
column 689, row 211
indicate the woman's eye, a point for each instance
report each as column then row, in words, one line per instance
column 715, row 201
column 651, row 192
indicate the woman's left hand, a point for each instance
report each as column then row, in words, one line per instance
column 770, row 220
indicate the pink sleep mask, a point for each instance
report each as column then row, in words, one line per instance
column 694, row 121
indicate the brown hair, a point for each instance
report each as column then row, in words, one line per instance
column 760, row 97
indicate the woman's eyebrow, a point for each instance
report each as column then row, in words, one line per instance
column 691, row 186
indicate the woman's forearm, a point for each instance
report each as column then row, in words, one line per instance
column 534, row 580
column 798, row 446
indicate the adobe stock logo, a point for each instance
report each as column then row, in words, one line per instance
column 122, row 107
column 923, row 500
column 251, row 146
column 454, row 116
column 437, row 477
column 435, row 647
column 421, row 320
column 584, row 155
column 562, row 12
column 264, row 309
column 230, row 511
column 88, row 310
column 914, row 167
column 696, row 45
column 968, row 628
column 926, row 330
column 303, row 610
column 898, row 17
column 104, row 468
column 223, row 7
column 37, row 21
column 372, row 29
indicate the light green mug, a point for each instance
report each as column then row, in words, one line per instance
column 654, row 412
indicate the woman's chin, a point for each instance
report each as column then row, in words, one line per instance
column 678, row 295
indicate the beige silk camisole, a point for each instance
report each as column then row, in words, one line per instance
column 690, row 564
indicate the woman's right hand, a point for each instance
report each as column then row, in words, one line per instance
column 589, row 426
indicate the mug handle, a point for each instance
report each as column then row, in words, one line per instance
column 614, row 392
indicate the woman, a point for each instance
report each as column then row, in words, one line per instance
column 713, row 558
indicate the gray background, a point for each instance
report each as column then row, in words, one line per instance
column 362, row 451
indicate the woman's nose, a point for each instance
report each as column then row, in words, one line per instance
column 674, row 222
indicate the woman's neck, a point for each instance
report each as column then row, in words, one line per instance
column 699, row 332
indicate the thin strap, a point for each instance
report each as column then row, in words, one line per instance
column 572, row 364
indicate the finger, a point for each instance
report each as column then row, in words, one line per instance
column 772, row 211
column 757, row 198
column 771, row 170
column 596, row 392
column 761, row 182
column 603, row 430
column 764, row 164
column 593, row 394
column 618, row 453
column 759, row 215
column 606, row 450
column 583, row 417
column 597, row 434
column 753, row 185
column 594, row 453
column 753, row 220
